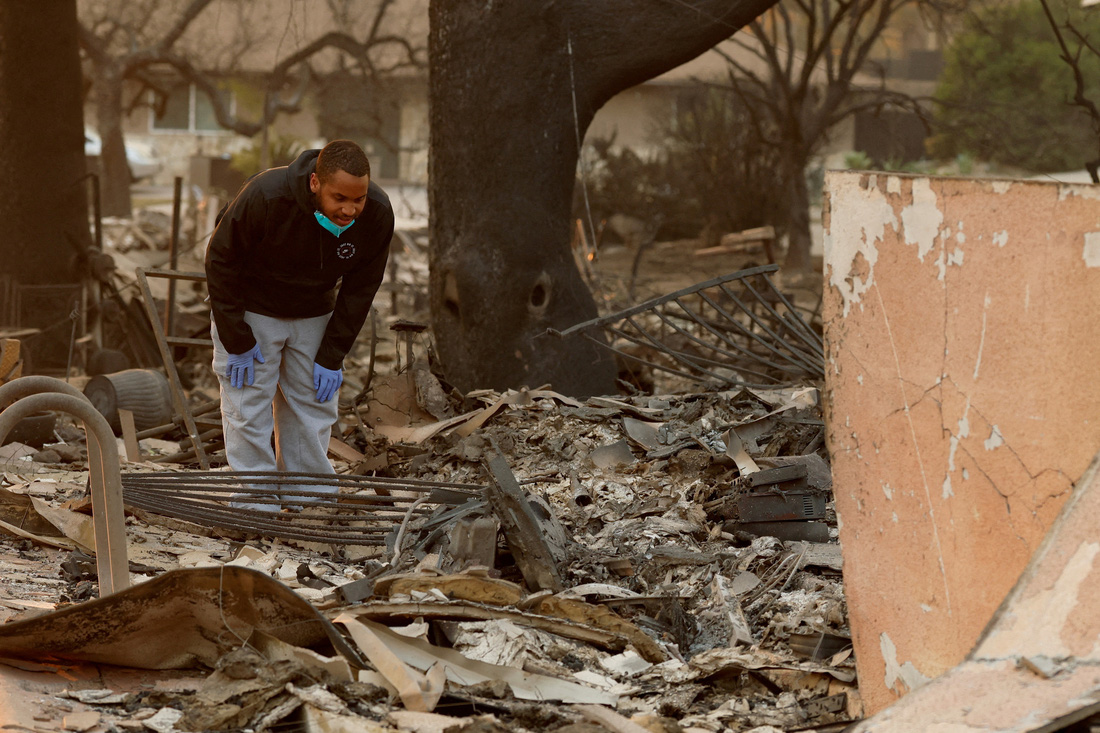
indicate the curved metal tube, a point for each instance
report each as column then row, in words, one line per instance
column 24, row 386
column 29, row 395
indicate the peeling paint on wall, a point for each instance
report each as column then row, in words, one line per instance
column 962, row 433
column 1092, row 249
column 995, row 439
column 851, row 247
column 907, row 673
column 967, row 469
column 1086, row 191
column 922, row 218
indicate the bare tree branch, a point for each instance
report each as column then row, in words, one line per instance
column 183, row 22
column 810, row 83
column 1079, row 98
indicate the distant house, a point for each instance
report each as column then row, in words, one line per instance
column 633, row 116
column 390, row 118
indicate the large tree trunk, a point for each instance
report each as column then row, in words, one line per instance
column 503, row 161
column 43, row 191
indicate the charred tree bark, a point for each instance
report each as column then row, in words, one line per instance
column 504, row 146
column 43, row 186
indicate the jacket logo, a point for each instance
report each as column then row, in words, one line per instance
column 345, row 251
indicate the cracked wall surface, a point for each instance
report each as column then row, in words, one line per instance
column 962, row 399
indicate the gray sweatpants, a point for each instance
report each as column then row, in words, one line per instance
column 281, row 400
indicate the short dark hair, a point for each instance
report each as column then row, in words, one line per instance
column 342, row 155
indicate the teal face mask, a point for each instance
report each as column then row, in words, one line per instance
column 329, row 226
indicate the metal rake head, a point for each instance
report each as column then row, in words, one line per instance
column 738, row 329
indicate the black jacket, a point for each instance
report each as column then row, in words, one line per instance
column 269, row 255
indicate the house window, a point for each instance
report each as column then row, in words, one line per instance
column 188, row 109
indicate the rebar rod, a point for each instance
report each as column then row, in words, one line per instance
column 815, row 348
column 783, row 345
column 670, row 370
column 178, row 486
column 767, row 329
column 759, row 298
column 787, row 353
column 268, row 524
column 316, row 516
column 758, row 321
column 679, row 356
column 798, row 316
column 654, row 302
column 667, row 319
column 293, row 477
column 193, row 500
column 697, row 317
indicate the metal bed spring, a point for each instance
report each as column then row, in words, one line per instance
column 739, row 322
column 202, row 497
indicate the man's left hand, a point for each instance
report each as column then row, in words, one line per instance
column 326, row 381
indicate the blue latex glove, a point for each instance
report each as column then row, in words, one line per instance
column 240, row 368
column 326, row 381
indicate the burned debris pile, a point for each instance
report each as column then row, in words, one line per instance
column 493, row 561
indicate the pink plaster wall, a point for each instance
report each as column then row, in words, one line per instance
column 962, row 330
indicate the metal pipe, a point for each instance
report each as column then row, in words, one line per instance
column 173, row 259
column 178, row 396
column 97, row 289
column 200, row 497
column 28, row 395
column 296, row 477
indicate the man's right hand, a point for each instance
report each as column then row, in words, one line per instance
column 240, row 368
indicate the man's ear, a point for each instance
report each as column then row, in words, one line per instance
column 314, row 183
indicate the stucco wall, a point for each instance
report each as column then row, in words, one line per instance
column 962, row 397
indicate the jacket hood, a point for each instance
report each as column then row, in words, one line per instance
column 297, row 174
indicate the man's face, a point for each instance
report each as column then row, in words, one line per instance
column 342, row 197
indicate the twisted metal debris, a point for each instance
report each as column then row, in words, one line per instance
column 738, row 329
column 356, row 518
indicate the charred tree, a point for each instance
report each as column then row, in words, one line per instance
column 43, row 187
column 514, row 86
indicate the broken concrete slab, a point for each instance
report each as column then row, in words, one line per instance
column 1037, row 664
column 942, row 294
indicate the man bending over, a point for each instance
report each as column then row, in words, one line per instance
column 292, row 268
